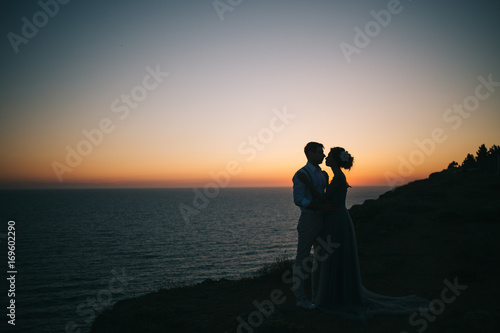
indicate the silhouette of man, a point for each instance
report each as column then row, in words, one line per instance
column 306, row 180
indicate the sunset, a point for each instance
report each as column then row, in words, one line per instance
column 153, row 146
column 182, row 89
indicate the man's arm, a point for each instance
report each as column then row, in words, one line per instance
column 299, row 192
column 303, row 178
column 299, row 196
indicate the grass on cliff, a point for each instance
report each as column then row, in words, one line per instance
column 278, row 267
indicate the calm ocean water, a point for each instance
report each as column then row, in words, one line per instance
column 80, row 251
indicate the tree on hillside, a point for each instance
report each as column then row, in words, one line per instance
column 481, row 155
column 485, row 160
column 494, row 150
column 452, row 165
column 494, row 158
column 469, row 162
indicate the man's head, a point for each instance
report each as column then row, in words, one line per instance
column 314, row 153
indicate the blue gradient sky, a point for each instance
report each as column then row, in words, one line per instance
column 226, row 78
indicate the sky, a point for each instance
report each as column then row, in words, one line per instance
column 196, row 93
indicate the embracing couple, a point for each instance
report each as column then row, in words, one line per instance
column 326, row 225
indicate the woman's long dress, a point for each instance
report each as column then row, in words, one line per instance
column 340, row 290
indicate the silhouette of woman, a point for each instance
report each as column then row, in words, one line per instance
column 340, row 290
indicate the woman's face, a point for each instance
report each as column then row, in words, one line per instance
column 329, row 160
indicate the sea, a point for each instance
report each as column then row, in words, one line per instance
column 76, row 252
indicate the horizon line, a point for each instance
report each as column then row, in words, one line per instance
column 125, row 187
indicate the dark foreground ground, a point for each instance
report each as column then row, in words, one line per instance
column 418, row 239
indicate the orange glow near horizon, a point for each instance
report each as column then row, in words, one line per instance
column 195, row 164
column 273, row 166
column 233, row 173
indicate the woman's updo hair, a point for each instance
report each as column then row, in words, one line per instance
column 342, row 157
